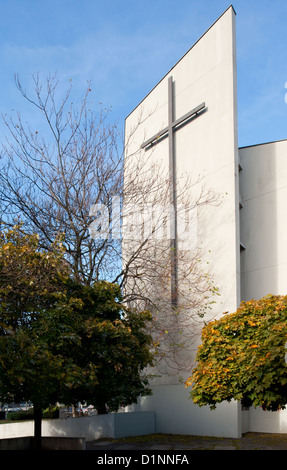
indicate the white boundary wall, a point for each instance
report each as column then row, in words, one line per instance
column 114, row 425
column 177, row 414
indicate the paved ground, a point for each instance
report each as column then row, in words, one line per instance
column 163, row 442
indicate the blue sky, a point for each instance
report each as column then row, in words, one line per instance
column 125, row 47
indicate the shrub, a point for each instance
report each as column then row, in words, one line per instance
column 242, row 357
column 21, row 415
column 50, row 413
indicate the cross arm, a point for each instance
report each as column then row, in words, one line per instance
column 178, row 121
column 155, row 137
column 188, row 115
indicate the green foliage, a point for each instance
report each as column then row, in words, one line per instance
column 61, row 341
column 113, row 337
column 242, row 357
column 52, row 412
column 22, row 415
column 30, row 279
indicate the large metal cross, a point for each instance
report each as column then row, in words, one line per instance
column 173, row 124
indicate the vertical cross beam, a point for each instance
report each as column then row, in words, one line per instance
column 169, row 131
column 173, row 200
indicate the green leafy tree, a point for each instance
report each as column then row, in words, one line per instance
column 61, row 340
column 115, row 339
column 242, row 357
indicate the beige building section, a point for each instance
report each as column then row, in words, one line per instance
column 263, row 225
column 206, row 148
column 263, row 189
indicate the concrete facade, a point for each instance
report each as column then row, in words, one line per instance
column 206, row 149
column 263, row 219
column 263, row 225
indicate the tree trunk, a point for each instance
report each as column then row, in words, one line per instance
column 74, row 411
column 37, row 427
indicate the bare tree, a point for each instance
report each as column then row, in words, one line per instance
column 52, row 174
column 72, row 176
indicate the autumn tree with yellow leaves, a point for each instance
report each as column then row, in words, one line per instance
column 242, row 357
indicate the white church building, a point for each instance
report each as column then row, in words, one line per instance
column 245, row 236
